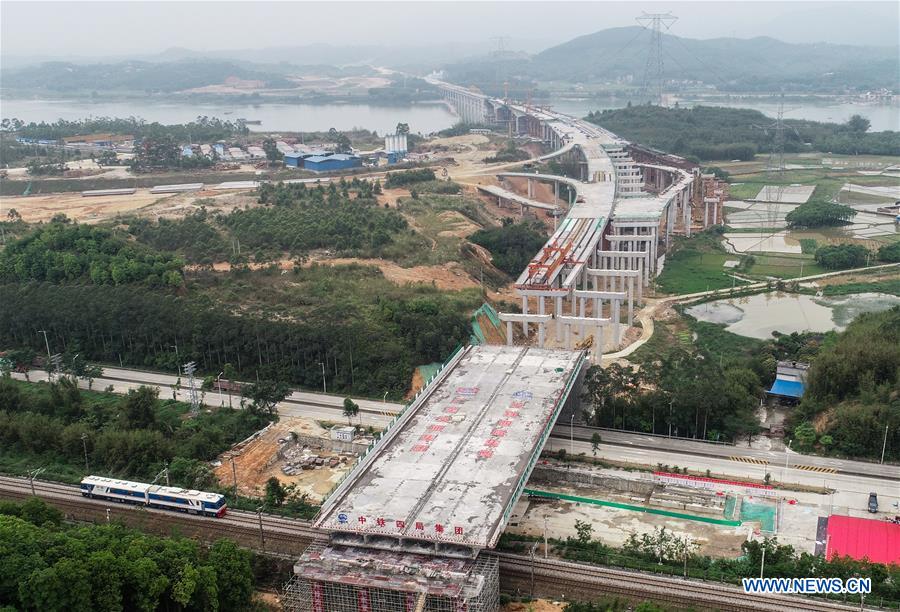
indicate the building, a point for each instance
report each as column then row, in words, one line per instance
column 790, row 382
column 331, row 163
column 344, row 434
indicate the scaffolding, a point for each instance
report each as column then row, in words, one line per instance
column 331, row 579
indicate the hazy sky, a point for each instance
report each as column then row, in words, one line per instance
column 117, row 28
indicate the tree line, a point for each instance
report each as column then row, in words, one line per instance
column 852, row 392
column 134, row 436
column 48, row 565
column 203, row 128
column 712, row 132
column 63, row 252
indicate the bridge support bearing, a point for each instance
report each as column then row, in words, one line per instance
column 329, row 578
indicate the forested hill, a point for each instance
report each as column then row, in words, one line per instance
column 134, row 76
column 714, row 132
column 733, row 64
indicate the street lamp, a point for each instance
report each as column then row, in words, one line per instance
column 884, row 444
column 324, row 389
column 219, row 387
column 384, row 399
column 572, row 435
column 787, row 456
column 177, row 358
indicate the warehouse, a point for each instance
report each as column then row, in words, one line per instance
column 338, row 161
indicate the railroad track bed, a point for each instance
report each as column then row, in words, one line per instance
column 567, row 580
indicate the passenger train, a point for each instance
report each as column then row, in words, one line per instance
column 154, row 496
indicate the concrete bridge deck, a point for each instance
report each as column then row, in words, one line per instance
column 446, row 476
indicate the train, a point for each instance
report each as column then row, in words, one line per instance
column 154, row 496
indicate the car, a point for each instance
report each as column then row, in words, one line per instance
column 873, row 503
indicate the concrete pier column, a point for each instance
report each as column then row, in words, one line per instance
column 558, row 314
column 509, row 333
column 525, row 311
column 631, row 301
column 568, row 336
column 715, row 214
column 540, row 335
column 530, row 189
column 540, row 304
column 617, row 306
column 556, row 192
column 706, row 214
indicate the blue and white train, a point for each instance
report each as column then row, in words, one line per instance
column 154, row 496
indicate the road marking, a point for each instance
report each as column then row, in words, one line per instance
column 750, row 460
column 816, row 468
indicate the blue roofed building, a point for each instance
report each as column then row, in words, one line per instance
column 331, row 163
column 790, row 382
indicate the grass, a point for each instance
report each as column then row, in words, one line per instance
column 784, row 265
column 891, row 286
column 690, row 271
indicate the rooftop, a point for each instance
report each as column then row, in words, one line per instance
column 452, row 467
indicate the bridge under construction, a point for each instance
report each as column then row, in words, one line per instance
column 412, row 526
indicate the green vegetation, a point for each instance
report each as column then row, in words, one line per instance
column 63, row 252
column 60, row 427
column 819, row 213
column 46, row 565
column 842, row 256
column 512, row 245
column 203, row 128
column 662, row 552
column 889, row 253
column 408, row 177
column 852, row 393
column 509, row 153
column 193, row 237
column 715, row 133
column 696, row 264
column 301, row 219
column 891, row 287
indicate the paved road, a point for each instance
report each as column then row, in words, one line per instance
column 775, row 458
column 378, row 414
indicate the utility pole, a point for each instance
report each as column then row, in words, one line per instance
column 324, row 389
column 884, row 444
column 262, row 537
column 234, row 475
column 84, row 438
column 31, row 476
column 786, row 458
column 177, row 358
column 762, row 565
column 653, row 71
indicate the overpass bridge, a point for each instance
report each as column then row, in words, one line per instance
column 412, row 524
column 628, row 203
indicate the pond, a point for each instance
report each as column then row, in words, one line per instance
column 757, row 316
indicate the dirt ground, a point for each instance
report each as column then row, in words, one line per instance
column 43, row 207
column 257, row 461
column 538, row 605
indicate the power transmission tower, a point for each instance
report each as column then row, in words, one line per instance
column 774, row 189
column 653, row 71
column 189, row 369
column 501, row 45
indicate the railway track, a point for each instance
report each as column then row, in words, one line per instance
column 569, row 581
column 289, row 537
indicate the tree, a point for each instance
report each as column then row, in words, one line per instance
column 351, row 409
column 234, row 575
column 595, row 442
column 402, row 128
column 858, row 124
column 585, row 532
column 275, row 492
column 819, row 213
column 139, row 407
column 842, row 256
column 265, row 395
column 889, row 252
column 272, row 153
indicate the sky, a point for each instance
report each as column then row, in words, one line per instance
column 62, row 29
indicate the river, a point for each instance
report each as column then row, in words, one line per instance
column 422, row 118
